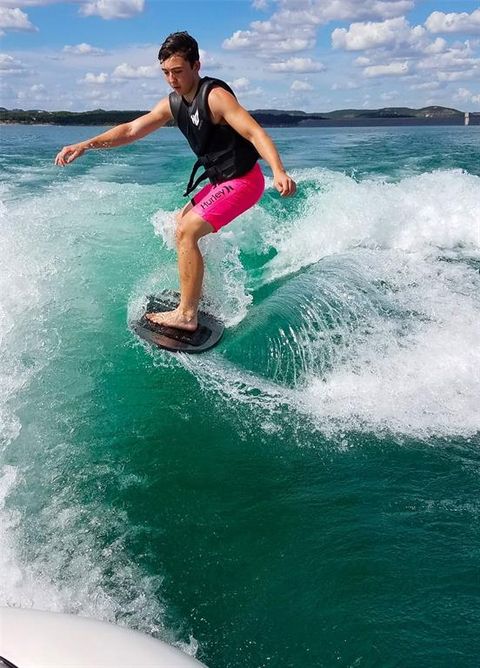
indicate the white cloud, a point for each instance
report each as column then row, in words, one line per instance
column 293, row 28
column 427, row 85
column 107, row 9
column 319, row 12
column 241, row 85
column 388, row 97
column 461, row 75
column 61, row 72
column 126, row 71
column 208, row 60
column 346, row 10
column 274, row 41
column 465, row 95
column 292, row 44
column 455, row 63
column 83, row 49
column 297, row 65
column 252, row 92
column 99, row 96
column 14, row 19
column 346, row 85
column 390, row 70
column 363, row 36
column 7, row 92
column 408, row 50
column 9, row 65
column 363, row 61
column 454, row 22
column 113, row 9
column 28, row 3
column 95, row 79
column 437, row 46
column 411, row 59
column 298, row 86
column 241, row 39
column 36, row 93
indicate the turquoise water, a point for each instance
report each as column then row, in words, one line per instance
column 306, row 494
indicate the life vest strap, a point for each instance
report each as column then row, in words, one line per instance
column 192, row 184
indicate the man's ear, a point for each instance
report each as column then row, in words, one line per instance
column 196, row 66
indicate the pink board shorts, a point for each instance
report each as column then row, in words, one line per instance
column 219, row 204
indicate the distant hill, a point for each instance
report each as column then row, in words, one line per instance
column 95, row 117
column 397, row 112
column 433, row 115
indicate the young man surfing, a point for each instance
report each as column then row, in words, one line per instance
column 227, row 141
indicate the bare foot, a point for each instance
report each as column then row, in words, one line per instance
column 174, row 319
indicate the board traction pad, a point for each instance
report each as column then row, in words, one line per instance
column 208, row 333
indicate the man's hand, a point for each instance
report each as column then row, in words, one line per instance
column 69, row 153
column 284, row 183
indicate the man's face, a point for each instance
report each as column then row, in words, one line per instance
column 180, row 75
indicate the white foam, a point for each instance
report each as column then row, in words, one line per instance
column 418, row 376
column 46, row 242
column 73, row 570
column 10, row 573
column 409, row 357
column 421, row 214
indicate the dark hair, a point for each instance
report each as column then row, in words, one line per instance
column 180, row 43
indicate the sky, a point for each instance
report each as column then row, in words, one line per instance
column 310, row 55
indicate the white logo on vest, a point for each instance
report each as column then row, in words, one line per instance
column 195, row 118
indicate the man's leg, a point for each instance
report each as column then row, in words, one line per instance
column 230, row 199
column 190, row 229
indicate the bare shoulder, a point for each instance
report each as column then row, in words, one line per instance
column 161, row 111
column 221, row 102
column 219, row 98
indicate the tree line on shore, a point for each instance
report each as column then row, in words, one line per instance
column 433, row 115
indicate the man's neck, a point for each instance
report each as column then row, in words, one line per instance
column 193, row 91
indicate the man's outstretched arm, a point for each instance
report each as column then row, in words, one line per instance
column 224, row 107
column 126, row 133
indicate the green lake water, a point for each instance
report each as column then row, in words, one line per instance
column 307, row 493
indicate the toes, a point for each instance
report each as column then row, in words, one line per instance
column 151, row 317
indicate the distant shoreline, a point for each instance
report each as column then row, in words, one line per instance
column 371, row 123
column 388, row 116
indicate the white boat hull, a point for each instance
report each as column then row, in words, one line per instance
column 35, row 639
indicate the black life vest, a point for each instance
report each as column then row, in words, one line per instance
column 223, row 152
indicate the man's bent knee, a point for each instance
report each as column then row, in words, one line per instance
column 185, row 235
column 191, row 228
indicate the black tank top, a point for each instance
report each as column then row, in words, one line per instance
column 220, row 149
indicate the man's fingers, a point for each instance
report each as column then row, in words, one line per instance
column 287, row 188
column 292, row 187
column 60, row 159
column 66, row 156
